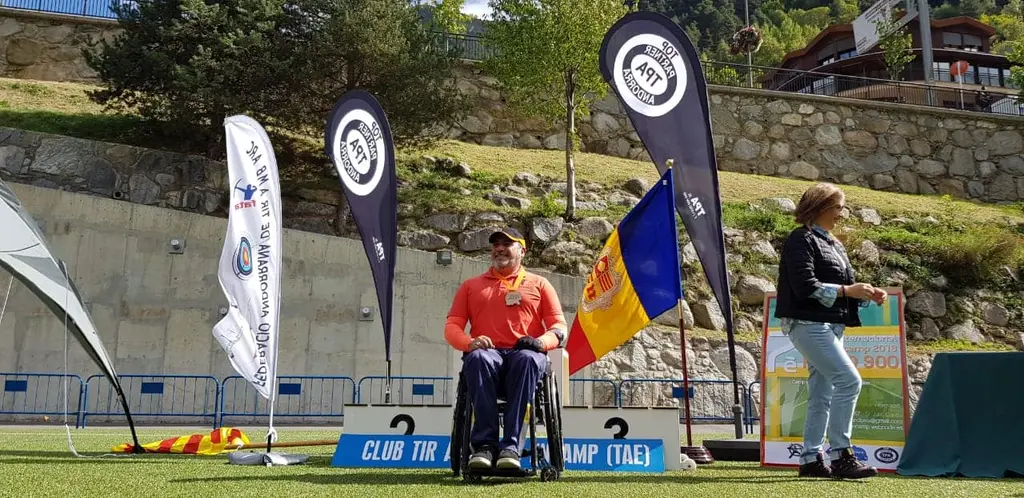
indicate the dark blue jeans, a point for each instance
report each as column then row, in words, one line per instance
column 515, row 375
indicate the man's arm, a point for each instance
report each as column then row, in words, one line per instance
column 551, row 315
column 458, row 316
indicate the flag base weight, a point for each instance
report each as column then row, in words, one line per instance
column 698, row 454
column 734, row 450
column 268, row 459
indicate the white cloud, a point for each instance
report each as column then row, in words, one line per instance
column 478, row 8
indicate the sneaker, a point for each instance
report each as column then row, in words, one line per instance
column 508, row 459
column 848, row 467
column 817, row 468
column 482, row 458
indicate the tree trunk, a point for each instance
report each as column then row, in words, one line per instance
column 570, row 132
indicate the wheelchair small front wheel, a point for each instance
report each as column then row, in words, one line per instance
column 549, row 474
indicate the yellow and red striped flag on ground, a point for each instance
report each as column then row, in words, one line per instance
column 214, row 443
column 636, row 278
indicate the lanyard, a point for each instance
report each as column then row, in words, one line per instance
column 515, row 283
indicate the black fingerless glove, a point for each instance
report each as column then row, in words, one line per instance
column 530, row 343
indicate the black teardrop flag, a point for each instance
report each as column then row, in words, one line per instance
column 654, row 70
column 359, row 141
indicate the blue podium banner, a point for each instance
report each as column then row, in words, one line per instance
column 426, row 452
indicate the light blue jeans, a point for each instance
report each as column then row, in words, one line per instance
column 834, row 386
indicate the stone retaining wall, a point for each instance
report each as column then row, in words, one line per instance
column 889, row 147
column 43, row 46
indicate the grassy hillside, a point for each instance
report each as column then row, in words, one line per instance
column 972, row 244
column 65, row 109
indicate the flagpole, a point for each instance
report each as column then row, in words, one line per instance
column 387, row 385
column 698, row 454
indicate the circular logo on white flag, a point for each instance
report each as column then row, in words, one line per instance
column 359, row 152
column 650, row 74
column 242, row 262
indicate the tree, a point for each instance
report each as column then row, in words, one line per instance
column 187, row 64
column 895, row 44
column 447, row 16
column 546, row 58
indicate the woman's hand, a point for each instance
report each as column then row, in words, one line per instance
column 879, row 296
column 860, row 290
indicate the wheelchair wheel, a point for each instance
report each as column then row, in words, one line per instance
column 458, row 421
column 553, row 427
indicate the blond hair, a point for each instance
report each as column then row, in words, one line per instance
column 817, row 200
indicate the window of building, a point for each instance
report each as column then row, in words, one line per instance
column 1006, row 79
column 961, row 41
column 940, row 71
column 988, row 76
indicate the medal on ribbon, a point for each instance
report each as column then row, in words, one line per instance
column 513, row 297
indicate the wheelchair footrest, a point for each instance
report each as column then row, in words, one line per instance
column 495, row 472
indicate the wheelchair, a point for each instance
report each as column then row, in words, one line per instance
column 546, row 406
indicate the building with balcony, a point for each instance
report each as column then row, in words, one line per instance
column 830, row 65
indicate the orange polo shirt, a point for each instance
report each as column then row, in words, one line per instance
column 481, row 302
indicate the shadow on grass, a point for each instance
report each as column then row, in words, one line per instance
column 14, row 457
column 362, row 477
column 111, row 128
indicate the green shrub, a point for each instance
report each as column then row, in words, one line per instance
column 765, row 219
column 967, row 257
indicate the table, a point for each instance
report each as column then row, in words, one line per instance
column 969, row 420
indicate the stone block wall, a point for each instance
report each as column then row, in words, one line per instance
column 883, row 146
column 123, row 172
column 43, row 46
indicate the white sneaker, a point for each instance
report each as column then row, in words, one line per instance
column 481, row 459
column 509, row 460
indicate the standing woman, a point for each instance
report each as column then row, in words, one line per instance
column 817, row 299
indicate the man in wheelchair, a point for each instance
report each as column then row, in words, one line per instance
column 515, row 317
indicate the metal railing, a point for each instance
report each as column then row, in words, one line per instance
column 947, row 95
column 301, row 397
column 29, row 395
column 183, row 398
column 100, row 9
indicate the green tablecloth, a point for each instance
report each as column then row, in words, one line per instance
column 970, row 418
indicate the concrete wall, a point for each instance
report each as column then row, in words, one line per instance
column 155, row 310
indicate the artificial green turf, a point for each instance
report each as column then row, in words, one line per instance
column 35, row 461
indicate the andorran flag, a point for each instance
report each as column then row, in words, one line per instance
column 636, row 278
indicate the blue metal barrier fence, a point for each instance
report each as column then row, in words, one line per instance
column 306, row 397
column 666, row 392
column 405, row 390
column 36, row 394
column 195, row 398
column 188, row 398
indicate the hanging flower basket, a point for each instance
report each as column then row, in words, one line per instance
column 748, row 39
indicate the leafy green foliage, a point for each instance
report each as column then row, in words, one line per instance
column 967, row 257
column 895, row 44
column 546, row 58
column 185, row 65
column 764, row 219
column 447, row 16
